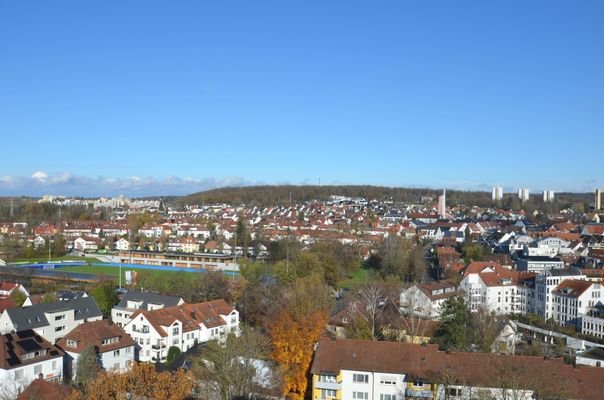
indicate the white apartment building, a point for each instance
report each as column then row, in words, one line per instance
column 497, row 193
column 523, row 194
column 490, row 286
column 573, row 298
column 52, row 321
column 538, row 264
column 544, row 285
column 546, row 247
column 548, row 196
column 24, row 357
column 115, row 349
column 181, row 326
column 134, row 300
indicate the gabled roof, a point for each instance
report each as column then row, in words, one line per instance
column 33, row 317
column 93, row 333
column 148, row 298
column 439, row 290
column 572, row 288
column 191, row 316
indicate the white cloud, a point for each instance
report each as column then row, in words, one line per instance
column 39, row 176
column 68, row 184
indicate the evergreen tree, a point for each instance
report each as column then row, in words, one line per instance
column 87, row 366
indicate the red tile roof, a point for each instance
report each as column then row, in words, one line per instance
column 425, row 362
column 93, row 333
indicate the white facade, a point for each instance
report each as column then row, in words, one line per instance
column 592, row 325
column 523, row 194
column 545, row 284
column 570, row 304
column 18, row 378
column 118, row 360
column 548, row 195
column 497, row 193
column 153, row 344
column 122, row 244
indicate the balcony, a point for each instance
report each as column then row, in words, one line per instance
column 328, row 385
column 419, row 394
column 138, row 330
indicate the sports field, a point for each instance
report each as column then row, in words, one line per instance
column 114, row 271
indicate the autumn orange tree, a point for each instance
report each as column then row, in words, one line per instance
column 142, row 381
column 294, row 330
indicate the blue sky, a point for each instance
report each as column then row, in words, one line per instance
column 158, row 97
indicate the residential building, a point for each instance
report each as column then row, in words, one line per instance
column 24, row 357
column 114, row 348
column 548, row 196
column 425, row 300
column 545, row 283
column 134, row 300
column 497, row 193
column 52, row 321
column 371, row 370
column 538, row 264
column 122, row 244
column 573, row 298
column 523, row 194
column 181, row 326
column 490, row 286
column 593, row 357
column 8, row 288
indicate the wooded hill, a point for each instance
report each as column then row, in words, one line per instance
column 271, row 195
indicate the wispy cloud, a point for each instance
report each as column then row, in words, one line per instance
column 68, row 184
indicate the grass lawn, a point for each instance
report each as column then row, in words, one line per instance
column 355, row 279
column 114, row 271
column 63, row 258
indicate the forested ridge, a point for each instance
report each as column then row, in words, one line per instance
column 270, row 195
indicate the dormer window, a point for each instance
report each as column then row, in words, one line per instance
column 72, row 343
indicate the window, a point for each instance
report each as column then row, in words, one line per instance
column 128, row 350
column 60, row 328
column 18, row 374
column 116, row 353
column 360, row 395
column 59, row 317
column 387, row 397
column 327, row 393
column 37, row 370
column 387, row 380
column 72, row 343
column 418, row 384
column 175, row 330
column 327, row 378
column 54, row 364
column 455, row 392
column 360, row 378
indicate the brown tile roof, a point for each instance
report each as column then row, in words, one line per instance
column 6, row 302
column 429, row 288
column 40, row 389
column 191, row 315
column 425, row 362
column 93, row 333
column 13, row 346
column 572, row 287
